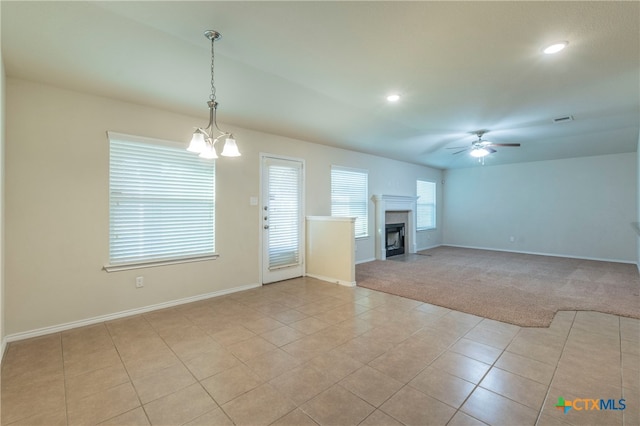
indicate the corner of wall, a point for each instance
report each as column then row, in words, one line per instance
column 638, row 203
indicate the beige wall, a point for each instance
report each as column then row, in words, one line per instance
column 57, row 209
column 2, row 136
column 330, row 249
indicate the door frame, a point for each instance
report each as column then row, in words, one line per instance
column 262, row 156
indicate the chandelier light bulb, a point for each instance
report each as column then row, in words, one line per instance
column 230, row 148
column 555, row 47
column 209, row 152
column 198, row 143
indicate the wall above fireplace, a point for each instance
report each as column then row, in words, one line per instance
column 394, row 203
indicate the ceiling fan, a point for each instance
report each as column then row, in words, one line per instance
column 480, row 148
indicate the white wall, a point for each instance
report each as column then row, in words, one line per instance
column 57, row 213
column 580, row 207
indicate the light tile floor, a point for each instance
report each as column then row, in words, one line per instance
column 306, row 352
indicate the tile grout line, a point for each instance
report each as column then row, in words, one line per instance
column 476, row 386
column 434, row 360
column 621, row 366
column 64, row 378
column 418, row 373
column 128, row 374
column 187, row 368
column 555, row 368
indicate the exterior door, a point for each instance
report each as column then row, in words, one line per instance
column 282, row 218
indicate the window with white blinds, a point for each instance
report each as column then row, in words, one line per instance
column 161, row 202
column 426, row 205
column 349, row 196
column 285, row 204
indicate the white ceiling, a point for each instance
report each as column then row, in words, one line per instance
column 320, row 71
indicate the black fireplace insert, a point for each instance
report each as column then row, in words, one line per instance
column 394, row 239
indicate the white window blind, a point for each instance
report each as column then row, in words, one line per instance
column 426, row 205
column 349, row 196
column 162, row 202
column 285, row 204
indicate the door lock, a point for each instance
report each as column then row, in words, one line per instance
column 266, row 227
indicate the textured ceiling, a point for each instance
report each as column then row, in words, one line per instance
column 320, row 71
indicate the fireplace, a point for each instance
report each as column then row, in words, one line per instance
column 388, row 210
column 394, row 239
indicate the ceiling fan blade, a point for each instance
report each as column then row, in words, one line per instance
column 491, row 150
column 463, row 150
column 456, row 147
column 505, row 144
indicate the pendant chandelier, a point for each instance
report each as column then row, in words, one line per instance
column 204, row 139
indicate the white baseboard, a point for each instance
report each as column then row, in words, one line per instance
column 365, row 260
column 541, row 254
column 3, row 346
column 332, row 280
column 109, row 317
column 429, row 247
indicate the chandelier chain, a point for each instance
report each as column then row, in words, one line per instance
column 212, row 97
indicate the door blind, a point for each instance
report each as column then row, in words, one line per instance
column 285, row 205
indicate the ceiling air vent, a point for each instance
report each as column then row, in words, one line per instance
column 564, row 119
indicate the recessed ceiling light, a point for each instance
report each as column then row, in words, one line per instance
column 555, row 47
column 393, row 98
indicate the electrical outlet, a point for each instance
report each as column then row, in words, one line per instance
column 139, row 282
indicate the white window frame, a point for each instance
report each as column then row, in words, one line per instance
column 354, row 202
column 174, row 181
column 425, row 202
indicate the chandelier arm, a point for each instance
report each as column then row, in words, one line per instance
column 214, row 120
column 209, row 127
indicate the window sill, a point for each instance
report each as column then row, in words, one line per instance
column 362, row 237
column 153, row 263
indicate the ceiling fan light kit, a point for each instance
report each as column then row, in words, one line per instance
column 479, row 152
column 481, row 148
column 204, row 139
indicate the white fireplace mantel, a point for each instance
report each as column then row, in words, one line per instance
column 400, row 203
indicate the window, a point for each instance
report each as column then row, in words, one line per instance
column 426, row 205
column 349, row 188
column 161, row 202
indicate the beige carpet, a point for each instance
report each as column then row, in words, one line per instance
column 522, row 289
